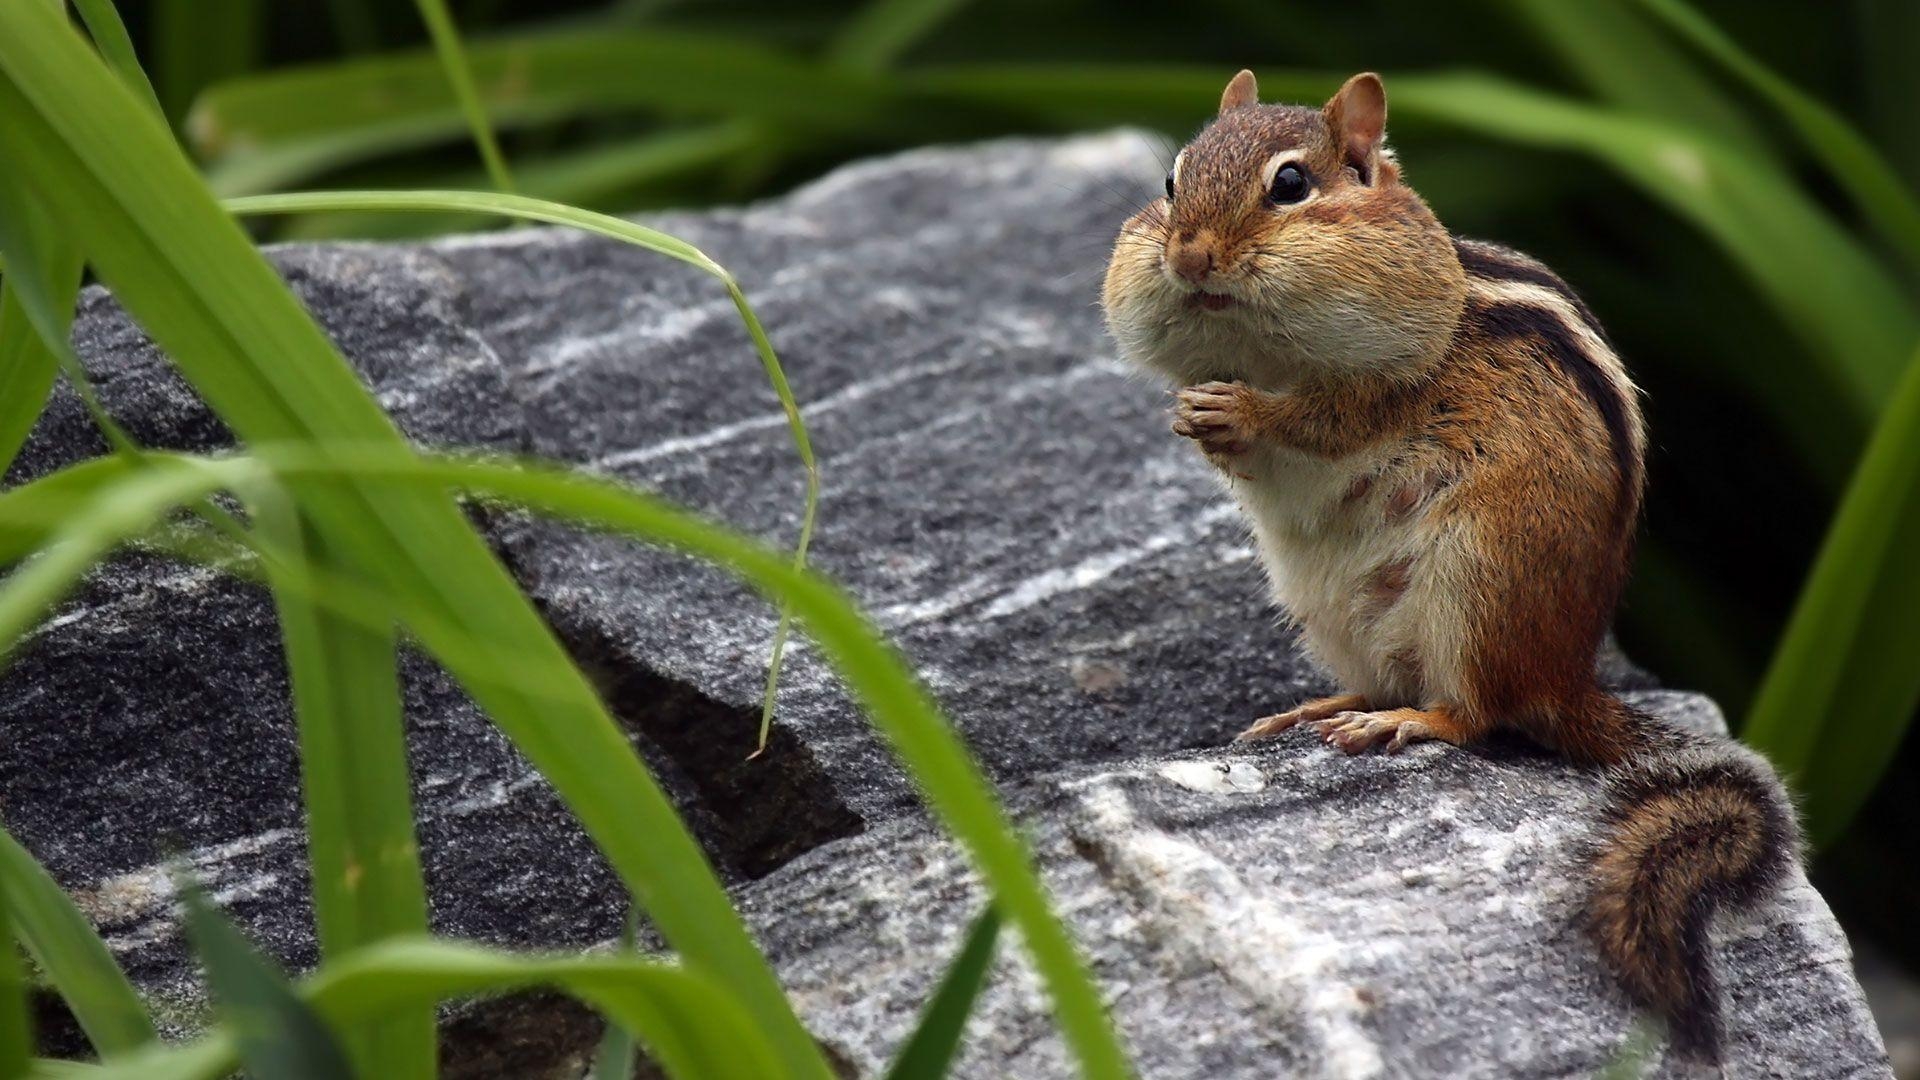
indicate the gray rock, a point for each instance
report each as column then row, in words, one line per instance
column 1006, row 502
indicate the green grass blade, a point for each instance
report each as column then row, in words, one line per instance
column 33, row 512
column 453, row 60
column 197, row 43
column 879, row 680
column 689, row 1024
column 278, row 128
column 123, row 509
column 71, row 955
column 885, row 29
column 365, row 865
column 27, row 366
column 929, row 1053
column 110, row 37
column 16, row 1026
column 1843, row 685
column 1867, row 177
column 614, row 1059
column 520, row 206
column 1615, row 52
column 187, row 273
column 278, row 1035
column 618, row 175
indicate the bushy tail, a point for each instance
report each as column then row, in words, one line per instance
column 1692, row 823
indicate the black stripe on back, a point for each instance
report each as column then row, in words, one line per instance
column 1509, row 320
column 1495, row 263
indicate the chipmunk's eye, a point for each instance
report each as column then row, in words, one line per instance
column 1169, row 186
column 1290, row 185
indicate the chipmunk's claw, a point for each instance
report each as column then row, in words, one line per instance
column 1317, row 709
column 1355, row 732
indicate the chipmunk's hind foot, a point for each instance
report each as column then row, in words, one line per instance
column 1305, row 713
column 1395, row 729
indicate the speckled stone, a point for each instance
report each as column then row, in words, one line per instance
column 1004, row 499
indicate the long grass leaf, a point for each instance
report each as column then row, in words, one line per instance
column 522, row 207
column 453, row 60
column 1836, row 145
column 1628, row 62
column 126, row 508
column 877, row 676
column 365, row 865
column 1842, row 687
column 929, row 1052
column 278, row 1035
column 688, row 1022
column 614, row 1058
column 617, row 174
column 71, row 955
column 111, row 38
column 880, row 681
column 885, row 29
column 188, row 274
column 197, row 43
column 16, row 1027
column 277, row 128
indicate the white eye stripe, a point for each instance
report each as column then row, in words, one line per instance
column 1178, row 159
column 1274, row 164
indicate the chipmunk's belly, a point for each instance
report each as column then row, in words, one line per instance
column 1359, row 560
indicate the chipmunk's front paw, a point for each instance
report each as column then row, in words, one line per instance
column 1223, row 417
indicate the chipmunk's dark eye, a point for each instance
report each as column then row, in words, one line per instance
column 1290, row 185
column 1169, row 186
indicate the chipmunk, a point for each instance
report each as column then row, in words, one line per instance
column 1442, row 458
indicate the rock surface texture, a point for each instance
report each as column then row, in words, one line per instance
column 1006, row 500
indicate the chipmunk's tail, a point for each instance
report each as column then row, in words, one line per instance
column 1692, row 823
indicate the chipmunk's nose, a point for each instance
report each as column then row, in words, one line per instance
column 1191, row 256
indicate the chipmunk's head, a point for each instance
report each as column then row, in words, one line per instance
column 1286, row 244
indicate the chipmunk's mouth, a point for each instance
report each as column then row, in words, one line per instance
column 1208, row 301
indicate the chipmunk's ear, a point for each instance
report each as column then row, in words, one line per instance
column 1357, row 117
column 1241, row 92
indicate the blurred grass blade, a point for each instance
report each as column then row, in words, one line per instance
column 690, row 1026
column 278, row 1035
column 619, row 173
column 123, row 509
column 520, row 206
column 27, row 366
column 1628, row 62
column 1837, row 146
column 110, row 37
column 277, row 128
column 614, row 1059
column 365, row 865
column 33, row 512
column 16, row 1026
column 189, row 276
column 1843, row 685
column 71, row 955
column 884, row 29
column 453, row 60
column 197, row 43
column 929, row 1052
column 875, row 674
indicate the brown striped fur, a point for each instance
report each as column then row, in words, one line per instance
column 1443, row 459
